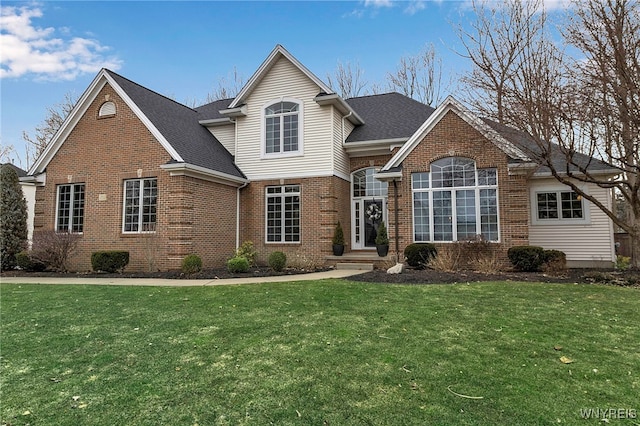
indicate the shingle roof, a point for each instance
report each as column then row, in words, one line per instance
column 179, row 126
column 387, row 116
column 559, row 161
column 211, row 111
column 19, row 171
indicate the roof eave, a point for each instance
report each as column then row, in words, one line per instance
column 342, row 106
column 216, row 122
column 192, row 170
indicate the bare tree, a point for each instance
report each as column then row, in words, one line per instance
column 228, row 86
column 495, row 44
column 47, row 129
column 569, row 105
column 349, row 81
column 419, row 77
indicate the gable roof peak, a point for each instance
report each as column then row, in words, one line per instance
column 278, row 52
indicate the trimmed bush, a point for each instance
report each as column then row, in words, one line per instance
column 526, row 258
column 238, row 264
column 29, row 264
column 247, row 251
column 191, row 264
column 109, row 261
column 277, row 261
column 418, row 255
column 338, row 235
column 555, row 261
column 382, row 239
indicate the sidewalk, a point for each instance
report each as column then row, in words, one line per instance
column 337, row 273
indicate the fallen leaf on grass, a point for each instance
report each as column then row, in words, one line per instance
column 565, row 360
column 557, row 347
column 26, row 413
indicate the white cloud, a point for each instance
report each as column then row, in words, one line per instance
column 378, row 3
column 28, row 49
column 415, row 6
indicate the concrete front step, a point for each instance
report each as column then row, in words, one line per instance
column 355, row 266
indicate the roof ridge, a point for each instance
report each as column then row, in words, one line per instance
column 149, row 90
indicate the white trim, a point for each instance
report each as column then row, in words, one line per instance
column 450, row 104
column 140, row 205
column 341, row 105
column 191, row 170
column 281, row 195
column 559, row 221
column 240, row 111
column 216, row 122
column 298, row 175
column 263, row 130
column 273, row 57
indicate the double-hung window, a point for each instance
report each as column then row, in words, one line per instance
column 282, row 128
column 70, row 210
column 455, row 201
column 140, row 205
column 283, row 214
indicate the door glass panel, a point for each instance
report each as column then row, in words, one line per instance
column 373, row 217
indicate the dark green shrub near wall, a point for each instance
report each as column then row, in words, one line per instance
column 109, row 261
column 191, row 264
column 277, row 261
column 418, row 255
column 526, row 258
column 27, row 263
column 555, row 261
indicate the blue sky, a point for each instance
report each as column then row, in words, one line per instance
column 183, row 49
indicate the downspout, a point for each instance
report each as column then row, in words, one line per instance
column 238, row 213
column 397, row 226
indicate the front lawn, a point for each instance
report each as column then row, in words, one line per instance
column 326, row 352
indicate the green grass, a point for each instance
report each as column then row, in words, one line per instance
column 326, row 352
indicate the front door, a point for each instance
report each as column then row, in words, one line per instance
column 368, row 214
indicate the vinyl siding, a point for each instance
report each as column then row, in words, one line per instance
column 591, row 241
column 226, row 135
column 285, row 80
column 341, row 159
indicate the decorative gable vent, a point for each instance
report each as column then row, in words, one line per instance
column 107, row 109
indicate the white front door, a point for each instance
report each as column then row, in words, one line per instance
column 367, row 215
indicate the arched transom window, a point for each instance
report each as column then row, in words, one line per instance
column 365, row 185
column 282, row 128
column 455, row 201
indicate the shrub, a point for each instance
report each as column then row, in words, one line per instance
column 238, row 264
column 526, row 258
column 418, row 255
column 277, row 261
column 54, row 248
column 247, row 251
column 555, row 261
column 447, row 259
column 13, row 217
column 109, row 261
column 338, row 235
column 382, row 239
column 29, row 264
column 623, row 262
column 191, row 264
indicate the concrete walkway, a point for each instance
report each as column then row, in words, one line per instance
column 337, row 273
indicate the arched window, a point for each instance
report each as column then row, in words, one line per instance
column 455, row 201
column 107, row 109
column 365, row 185
column 283, row 128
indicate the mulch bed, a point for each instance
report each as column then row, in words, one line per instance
column 408, row 276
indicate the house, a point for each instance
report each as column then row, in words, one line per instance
column 285, row 160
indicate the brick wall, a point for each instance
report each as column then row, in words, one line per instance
column 452, row 136
column 323, row 201
column 102, row 153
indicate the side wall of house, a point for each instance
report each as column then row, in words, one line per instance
column 587, row 244
column 322, row 204
column 226, row 135
column 102, row 153
column 453, row 137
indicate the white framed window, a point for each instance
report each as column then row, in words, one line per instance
column 70, row 208
column 140, row 205
column 558, row 206
column 282, row 128
column 455, row 201
column 283, row 214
